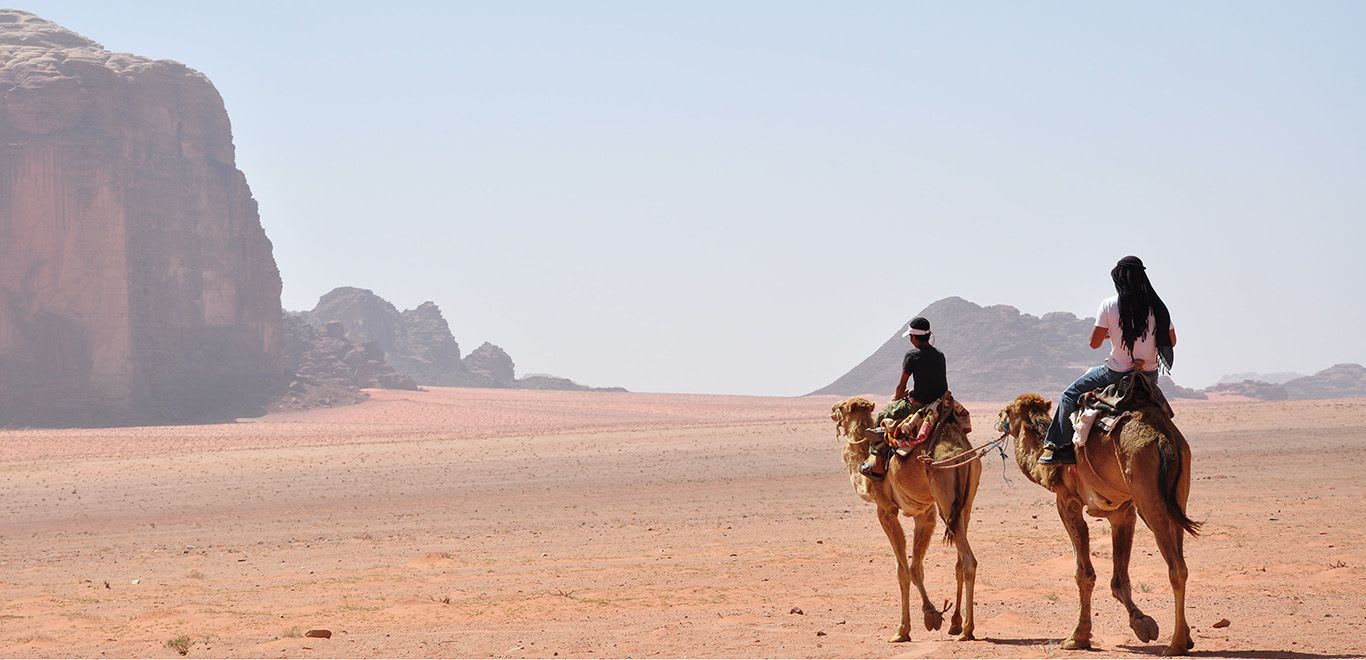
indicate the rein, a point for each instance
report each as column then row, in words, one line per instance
column 961, row 459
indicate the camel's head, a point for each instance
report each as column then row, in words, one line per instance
column 1027, row 409
column 850, row 414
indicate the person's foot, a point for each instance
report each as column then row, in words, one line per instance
column 1062, row 455
column 869, row 469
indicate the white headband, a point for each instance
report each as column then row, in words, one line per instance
column 913, row 332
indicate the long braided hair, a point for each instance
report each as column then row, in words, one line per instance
column 1138, row 300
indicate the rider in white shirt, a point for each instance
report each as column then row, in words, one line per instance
column 1130, row 320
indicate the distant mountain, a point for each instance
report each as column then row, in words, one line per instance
column 1252, row 389
column 1275, row 378
column 1337, row 381
column 418, row 343
column 994, row 353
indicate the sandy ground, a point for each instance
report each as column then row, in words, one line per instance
column 511, row 524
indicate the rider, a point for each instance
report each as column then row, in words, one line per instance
column 1130, row 319
column 923, row 363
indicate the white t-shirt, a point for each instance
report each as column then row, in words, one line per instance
column 1144, row 349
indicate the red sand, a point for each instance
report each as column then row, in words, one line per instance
column 507, row 523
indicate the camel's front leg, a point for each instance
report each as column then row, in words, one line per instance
column 1122, row 524
column 897, row 537
column 1069, row 509
column 924, row 529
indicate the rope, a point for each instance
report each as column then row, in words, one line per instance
column 971, row 455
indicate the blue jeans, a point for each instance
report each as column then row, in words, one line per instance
column 1061, row 430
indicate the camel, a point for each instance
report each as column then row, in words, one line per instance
column 913, row 489
column 1143, row 467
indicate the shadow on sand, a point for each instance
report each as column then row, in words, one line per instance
column 1236, row 653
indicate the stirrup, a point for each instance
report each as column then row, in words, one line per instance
column 1064, row 455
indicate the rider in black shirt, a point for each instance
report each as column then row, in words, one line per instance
column 924, row 367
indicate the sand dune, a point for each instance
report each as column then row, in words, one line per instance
column 513, row 523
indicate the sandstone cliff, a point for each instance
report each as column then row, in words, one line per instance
column 136, row 282
column 994, row 353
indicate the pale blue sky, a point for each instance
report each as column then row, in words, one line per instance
column 750, row 197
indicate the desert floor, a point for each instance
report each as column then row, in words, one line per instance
column 509, row 524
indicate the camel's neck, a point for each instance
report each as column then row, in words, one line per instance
column 1028, row 448
column 857, row 436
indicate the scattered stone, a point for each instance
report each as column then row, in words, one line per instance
column 1223, row 623
column 319, row 633
column 820, row 633
column 796, row 610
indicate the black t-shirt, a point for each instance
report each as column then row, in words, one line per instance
column 927, row 370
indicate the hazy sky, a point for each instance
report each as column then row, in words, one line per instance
column 749, row 197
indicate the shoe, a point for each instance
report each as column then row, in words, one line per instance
column 867, row 470
column 1063, row 455
column 877, row 430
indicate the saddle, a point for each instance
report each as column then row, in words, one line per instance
column 1108, row 407
column 922, row 428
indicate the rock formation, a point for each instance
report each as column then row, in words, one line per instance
column 994, row 353
column 1275, row 378
column 418, row 343
column 491, row 364
column 136, row 282
column 1252, row 389
column 325, row 368
column 1337, row 381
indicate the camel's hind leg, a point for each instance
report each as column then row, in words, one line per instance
column 962, row 623
column 1152, row 507
column 1122, row 523
column 1069, row 509
column 924, row 529
column 897, row 537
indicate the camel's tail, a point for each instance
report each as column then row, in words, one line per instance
column 962, row 482
column 1169, row 480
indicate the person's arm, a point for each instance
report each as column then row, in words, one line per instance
column 1098, row 336
column 901, row 387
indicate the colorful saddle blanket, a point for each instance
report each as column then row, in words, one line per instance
column 924, row 425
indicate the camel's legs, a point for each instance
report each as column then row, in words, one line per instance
column 897, row 537
column 1122, row 523
column 1069, row 509
column 924, row 530
column 1171, row 542
column 967, row 580
column 1170, row 537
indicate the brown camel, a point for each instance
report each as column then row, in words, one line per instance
column 1142, row 468
column 911, row 488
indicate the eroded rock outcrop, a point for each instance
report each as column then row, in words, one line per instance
column 325, row 368
column 136, row 282
column 492, row 364
column 418, row 343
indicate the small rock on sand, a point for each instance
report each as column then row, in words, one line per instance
column 1223, row 623
column 321, row 634
column 796, row 610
